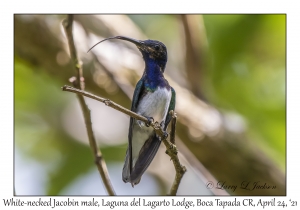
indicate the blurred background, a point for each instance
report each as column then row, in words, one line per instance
column 229, row 73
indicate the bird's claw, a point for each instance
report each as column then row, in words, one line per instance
column 150, row 121
column 166, row 135
column 162, row 124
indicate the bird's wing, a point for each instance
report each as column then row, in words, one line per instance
column 146, row 156
column 128, row 159
column 136, row 96
column 171, row 107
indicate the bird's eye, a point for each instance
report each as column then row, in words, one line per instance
column 156, row 47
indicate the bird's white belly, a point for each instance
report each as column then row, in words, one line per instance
column 154, row 105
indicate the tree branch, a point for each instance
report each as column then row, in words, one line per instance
column 171, row 148
column 180, row 170
column 79, row 83
column 173, row 127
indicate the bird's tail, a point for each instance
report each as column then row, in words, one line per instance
column 126, row 168
column 145, row 157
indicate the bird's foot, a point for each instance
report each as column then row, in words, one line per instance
column 165, row 136
column 141, row 123
column 162, row 124
column 150, row 121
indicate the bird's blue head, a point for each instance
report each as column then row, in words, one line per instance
column 152, row 50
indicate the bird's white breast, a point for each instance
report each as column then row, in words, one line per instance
column 155, row 104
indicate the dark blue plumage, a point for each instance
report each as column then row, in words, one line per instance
column 153, row 98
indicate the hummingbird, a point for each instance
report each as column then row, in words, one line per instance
column 153, row 98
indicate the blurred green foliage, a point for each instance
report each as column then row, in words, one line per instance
column 38, row 108
column 39, row 131
column 247, row 74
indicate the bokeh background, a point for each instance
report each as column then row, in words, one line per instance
column 229, row 72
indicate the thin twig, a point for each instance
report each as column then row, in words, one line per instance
column 173, row 127
column 171, row 148
column 79, row 83
column 180, row 170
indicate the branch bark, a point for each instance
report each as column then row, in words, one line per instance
column 79, row 83
column 171, row 147
column 180, row 170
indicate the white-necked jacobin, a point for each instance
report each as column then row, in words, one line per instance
column 153, row 98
